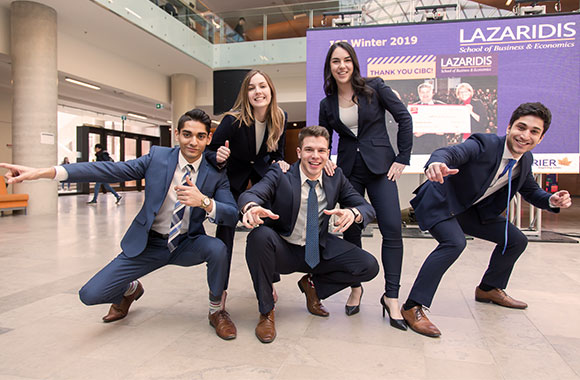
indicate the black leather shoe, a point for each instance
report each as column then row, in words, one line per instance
column 352, row 310
column 396, row 323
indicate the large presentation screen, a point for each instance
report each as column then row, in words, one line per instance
column 463, row 77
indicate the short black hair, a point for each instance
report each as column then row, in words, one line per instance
column 98, row 146
column 535, row 109
column 195, row 115
column 312, row 131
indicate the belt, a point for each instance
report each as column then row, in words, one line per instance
column 158, row 235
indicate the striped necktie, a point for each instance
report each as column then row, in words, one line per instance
column 312, row 254
column 508, row 168
column 177, row 217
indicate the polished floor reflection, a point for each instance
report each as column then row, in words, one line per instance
column 46, row 333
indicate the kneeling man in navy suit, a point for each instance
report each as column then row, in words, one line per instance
column 181, row 190
column 469, row 185
column 292, row 234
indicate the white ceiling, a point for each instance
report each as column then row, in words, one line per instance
column 96, row 26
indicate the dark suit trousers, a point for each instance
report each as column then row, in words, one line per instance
column 268, row 254
column 450, row 234
column 111, row 282
column 384, row 197
column 226, row 233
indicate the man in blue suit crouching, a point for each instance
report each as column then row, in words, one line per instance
column 469, row 186
column 182, row 190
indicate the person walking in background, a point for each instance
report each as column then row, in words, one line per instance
column 65, row 161
column 355, row 107
column 249, row 139
column 103, row 155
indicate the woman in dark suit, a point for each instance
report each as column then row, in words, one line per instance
column 250, row 137
column 355, row 107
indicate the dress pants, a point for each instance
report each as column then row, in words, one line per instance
column 450, row 234
column 111, row 282
column 268, row 254
column 384, row 197
column 107, row 187
column 226, row 233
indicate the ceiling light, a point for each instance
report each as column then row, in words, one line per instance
column 169, row 121
column 508, row 2
column 133, row 13
column 137, row 116
column 82, row 83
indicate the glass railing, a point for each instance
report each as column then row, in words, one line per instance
column 268, row 23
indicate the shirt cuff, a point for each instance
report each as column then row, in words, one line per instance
column 61, row 174
column 211, row 215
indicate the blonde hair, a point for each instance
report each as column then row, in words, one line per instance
column 465, row 85
column 242, row 111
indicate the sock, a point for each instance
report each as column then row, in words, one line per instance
column 131, row 289
column 485, row 287
column 215, row 303
column 410, row 304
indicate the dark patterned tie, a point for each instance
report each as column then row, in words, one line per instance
column 177, row 217
column 312, row 254
column 508, row 168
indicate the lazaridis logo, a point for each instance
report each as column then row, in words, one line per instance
column 467, row 65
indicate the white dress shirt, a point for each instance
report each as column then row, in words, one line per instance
column 498, row 183
column 260, row 133
column 298, row 235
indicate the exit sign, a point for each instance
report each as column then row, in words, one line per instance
column 159, row 106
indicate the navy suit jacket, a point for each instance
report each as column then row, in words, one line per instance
column 281, row 192
column 372, row 140
column 478, row 160
column 243, row 158
column 158, row 168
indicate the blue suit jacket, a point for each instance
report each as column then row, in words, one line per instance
column 478, row 160
column 158, row 168
column 372, row 140
column 281, row 193
column 243, row 157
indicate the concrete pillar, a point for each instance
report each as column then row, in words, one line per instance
column 183, row 98
column 35, row 92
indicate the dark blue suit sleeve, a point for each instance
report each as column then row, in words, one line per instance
column 391, row 103
column 226, row 209
column 263, row 191
column 323, row 119
column 107, row 171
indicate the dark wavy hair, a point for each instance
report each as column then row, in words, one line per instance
column 195, row 115
column 357, row 81
column 533, row 109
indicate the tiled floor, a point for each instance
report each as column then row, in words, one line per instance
column 46, row 333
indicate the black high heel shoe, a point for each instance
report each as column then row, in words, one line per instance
column 396, row 323
column 352, row 310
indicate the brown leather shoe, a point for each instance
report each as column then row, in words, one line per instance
column 418, row 321
column 312, row 302
column 266, row 329
column 224, row 326
column 499, row 297
column 120, row 311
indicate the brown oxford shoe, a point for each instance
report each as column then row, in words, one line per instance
column 120, row 311
column 312, row 302
column 499, row 297
column 266, row 329
column 418, row 321
column 224, row 326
